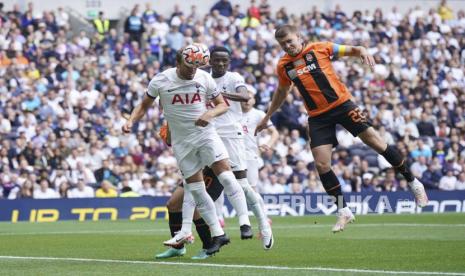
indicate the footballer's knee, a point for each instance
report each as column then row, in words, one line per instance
column 372, row 138
column 322, row 166
column 174, row 205
column 220, row 166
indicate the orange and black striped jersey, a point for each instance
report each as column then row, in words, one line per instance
column 314, row 76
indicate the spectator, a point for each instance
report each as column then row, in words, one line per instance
column 431, row 177
column 81, row 190
column 273, row 187
column 425, row 126
column 128, row 192
column 460, row 184
column 448, row 181
column 106, row 190
column 134, row 25
column 102, row 25
column 223, row 7
column 44, row 191
column 147, row 189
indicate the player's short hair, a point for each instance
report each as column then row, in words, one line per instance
column 284, row 30
column 215, row 49
column 179, row 56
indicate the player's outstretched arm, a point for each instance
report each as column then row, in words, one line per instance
column 278, row 99
column 273, row 132
column 241, row 95
column 219, row 109
column 360, row 51
column 138, row 112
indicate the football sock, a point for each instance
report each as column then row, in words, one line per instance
column 236, row 196
column 253, row 202
column 175, row 222
column 204, row 232
column 260, row 200
column 394, row 157
column 333, row 188
column 188, row 208
column 205, row 206
column 219, row 203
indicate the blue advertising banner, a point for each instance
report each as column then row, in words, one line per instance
column 49, row 210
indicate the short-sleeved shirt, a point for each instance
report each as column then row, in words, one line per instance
column 312, row 73
column 229, row 124
column 250, row 120
column 183, row 101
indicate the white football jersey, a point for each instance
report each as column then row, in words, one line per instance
column 229, row 124
column 250, row 120
column 183, row 102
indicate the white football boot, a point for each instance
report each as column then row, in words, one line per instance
column 179, row 239
column 344, row 217
column 418, row 190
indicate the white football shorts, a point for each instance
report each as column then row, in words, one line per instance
column 192, row 157
column 236, row 151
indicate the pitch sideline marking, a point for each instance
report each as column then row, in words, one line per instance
column 229, row 228
column 350, row 270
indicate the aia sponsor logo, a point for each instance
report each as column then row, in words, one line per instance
column 186, row 99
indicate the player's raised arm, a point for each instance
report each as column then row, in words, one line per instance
column 356, row 51
column 278, row 98
column 138, row 112
column 219, row 109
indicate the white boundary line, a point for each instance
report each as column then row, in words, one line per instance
column 327, row 269
column 309, row 226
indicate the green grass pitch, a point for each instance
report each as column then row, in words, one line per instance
column 374, row 245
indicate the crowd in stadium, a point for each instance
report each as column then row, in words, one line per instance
column 64, row 93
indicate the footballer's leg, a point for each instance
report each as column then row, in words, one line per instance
column 219, row 204
column 257, row 209
column 398, row 162
column 237, row 161
column 205, row 236
column 252, row 176
column 235, row 194
column 196, row 186
column 355, row 121
column 184, row 235
column 174, row 206
column 322, row 133
column 218, row 161
column 322, row 155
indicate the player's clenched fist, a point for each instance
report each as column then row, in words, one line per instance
column 127, row 127
column 204, row 120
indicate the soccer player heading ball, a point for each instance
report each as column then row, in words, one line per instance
column 184, row 92
column 307, row 66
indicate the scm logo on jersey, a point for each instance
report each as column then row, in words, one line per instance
column 298, row 72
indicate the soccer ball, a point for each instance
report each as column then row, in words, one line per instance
column 196, row 55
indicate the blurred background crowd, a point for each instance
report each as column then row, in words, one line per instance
column 64, row 91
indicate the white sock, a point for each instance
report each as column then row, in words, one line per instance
column 188, row 208
column 254, row 204
column 260, row 200
column 259, row 197
column 219, row 203
column 205, row 206
column 236, row 196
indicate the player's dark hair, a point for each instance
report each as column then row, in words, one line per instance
column 284, row 30
column 179, row 56
column 215, row 49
